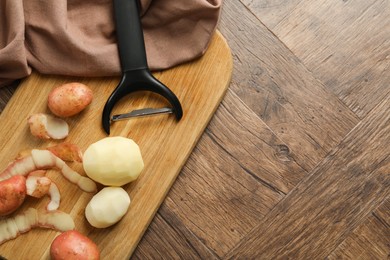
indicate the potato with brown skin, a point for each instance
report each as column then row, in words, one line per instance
column 72, row 245
column 12, row 194
column 14, row 190
column 69, row 99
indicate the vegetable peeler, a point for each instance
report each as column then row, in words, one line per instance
column 136, row 75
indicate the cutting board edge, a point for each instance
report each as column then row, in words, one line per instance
column 227, row 77
column 230, row 69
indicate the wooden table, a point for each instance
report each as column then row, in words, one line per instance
column 296, row 161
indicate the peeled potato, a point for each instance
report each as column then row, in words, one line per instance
column 107, row 207
column 113, row 161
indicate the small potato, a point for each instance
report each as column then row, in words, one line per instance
column 107, row 207
column 69, row 99
column 12, row 194
column 72, row 245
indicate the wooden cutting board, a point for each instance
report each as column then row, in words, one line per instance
column 165, row 145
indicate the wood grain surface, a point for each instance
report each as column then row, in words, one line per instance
column 236, row 194
column 165, row 145
column 295, row 162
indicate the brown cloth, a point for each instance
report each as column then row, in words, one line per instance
column 77, row 37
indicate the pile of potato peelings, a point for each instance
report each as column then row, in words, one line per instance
column 25, row 176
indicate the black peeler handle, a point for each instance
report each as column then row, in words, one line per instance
column 136, row 75
column 130, row 35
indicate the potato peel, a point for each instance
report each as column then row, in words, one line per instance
column 44, row 159
column 45, row 126
column 12, row 227
column 38, row 187
column 67, row 151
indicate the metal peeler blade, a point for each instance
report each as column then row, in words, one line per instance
column 136, row 75
column 142, row 112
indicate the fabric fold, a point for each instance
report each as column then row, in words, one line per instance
column 13, row 58
column 77, row 38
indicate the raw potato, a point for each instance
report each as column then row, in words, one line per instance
column 12, row 194
column 107, row 207
column 72, row 245
column 113, row 161
column 69, row 99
